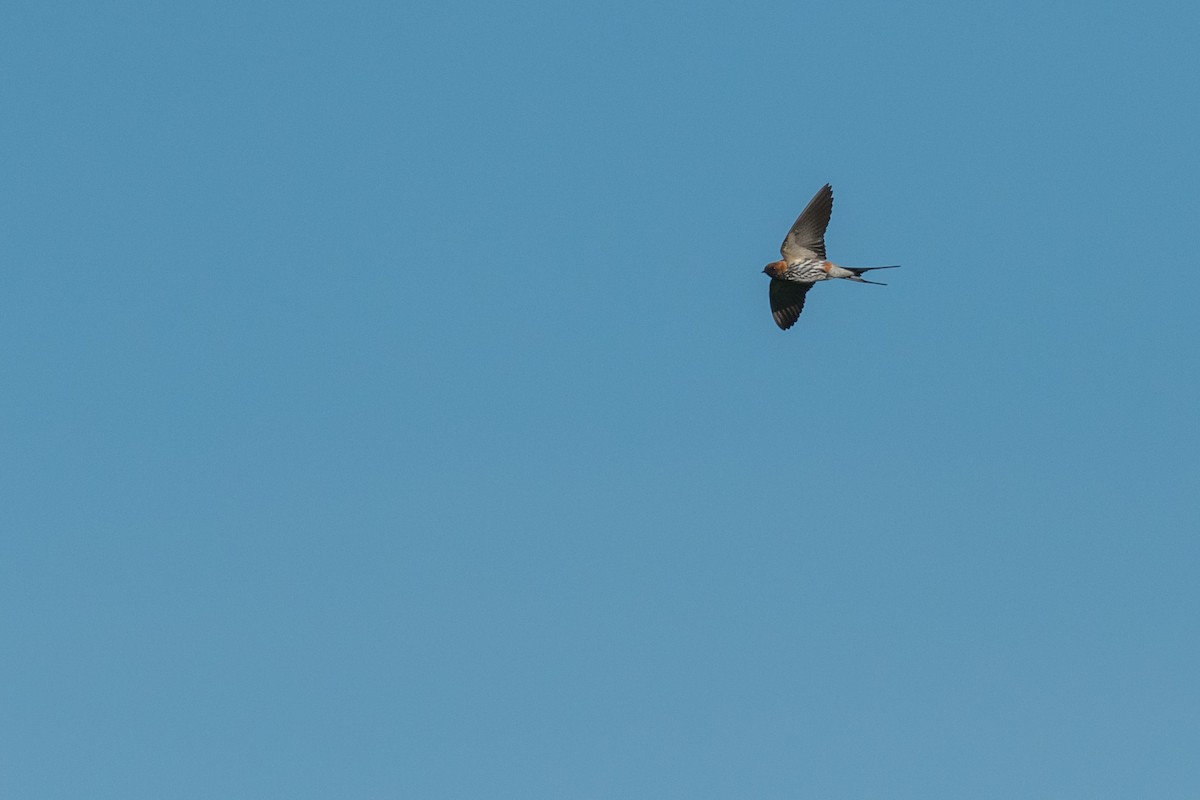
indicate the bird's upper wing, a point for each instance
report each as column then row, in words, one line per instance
column 806, row 239
column 787, row 301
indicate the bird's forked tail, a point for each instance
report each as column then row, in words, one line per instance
column 858, row 271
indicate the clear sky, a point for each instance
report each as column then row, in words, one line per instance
column 391, row 405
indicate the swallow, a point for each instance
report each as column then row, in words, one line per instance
column 804, row 262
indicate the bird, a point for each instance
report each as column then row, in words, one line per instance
column 804, row 262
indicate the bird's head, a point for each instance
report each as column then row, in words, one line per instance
column 776, row 269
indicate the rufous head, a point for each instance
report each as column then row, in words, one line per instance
column 776, row 269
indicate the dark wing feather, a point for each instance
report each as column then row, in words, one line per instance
column 806, row 239
column 787, row 301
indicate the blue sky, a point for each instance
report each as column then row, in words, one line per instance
column 392, row 407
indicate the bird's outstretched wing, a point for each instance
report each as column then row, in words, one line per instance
column 787, row 301
column 806, row 239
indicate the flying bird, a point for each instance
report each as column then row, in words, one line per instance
column 804, row 263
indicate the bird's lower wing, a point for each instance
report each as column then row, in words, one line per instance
column 787, row 301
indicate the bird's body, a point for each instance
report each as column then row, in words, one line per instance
column 811, row 270
column 804, row 261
